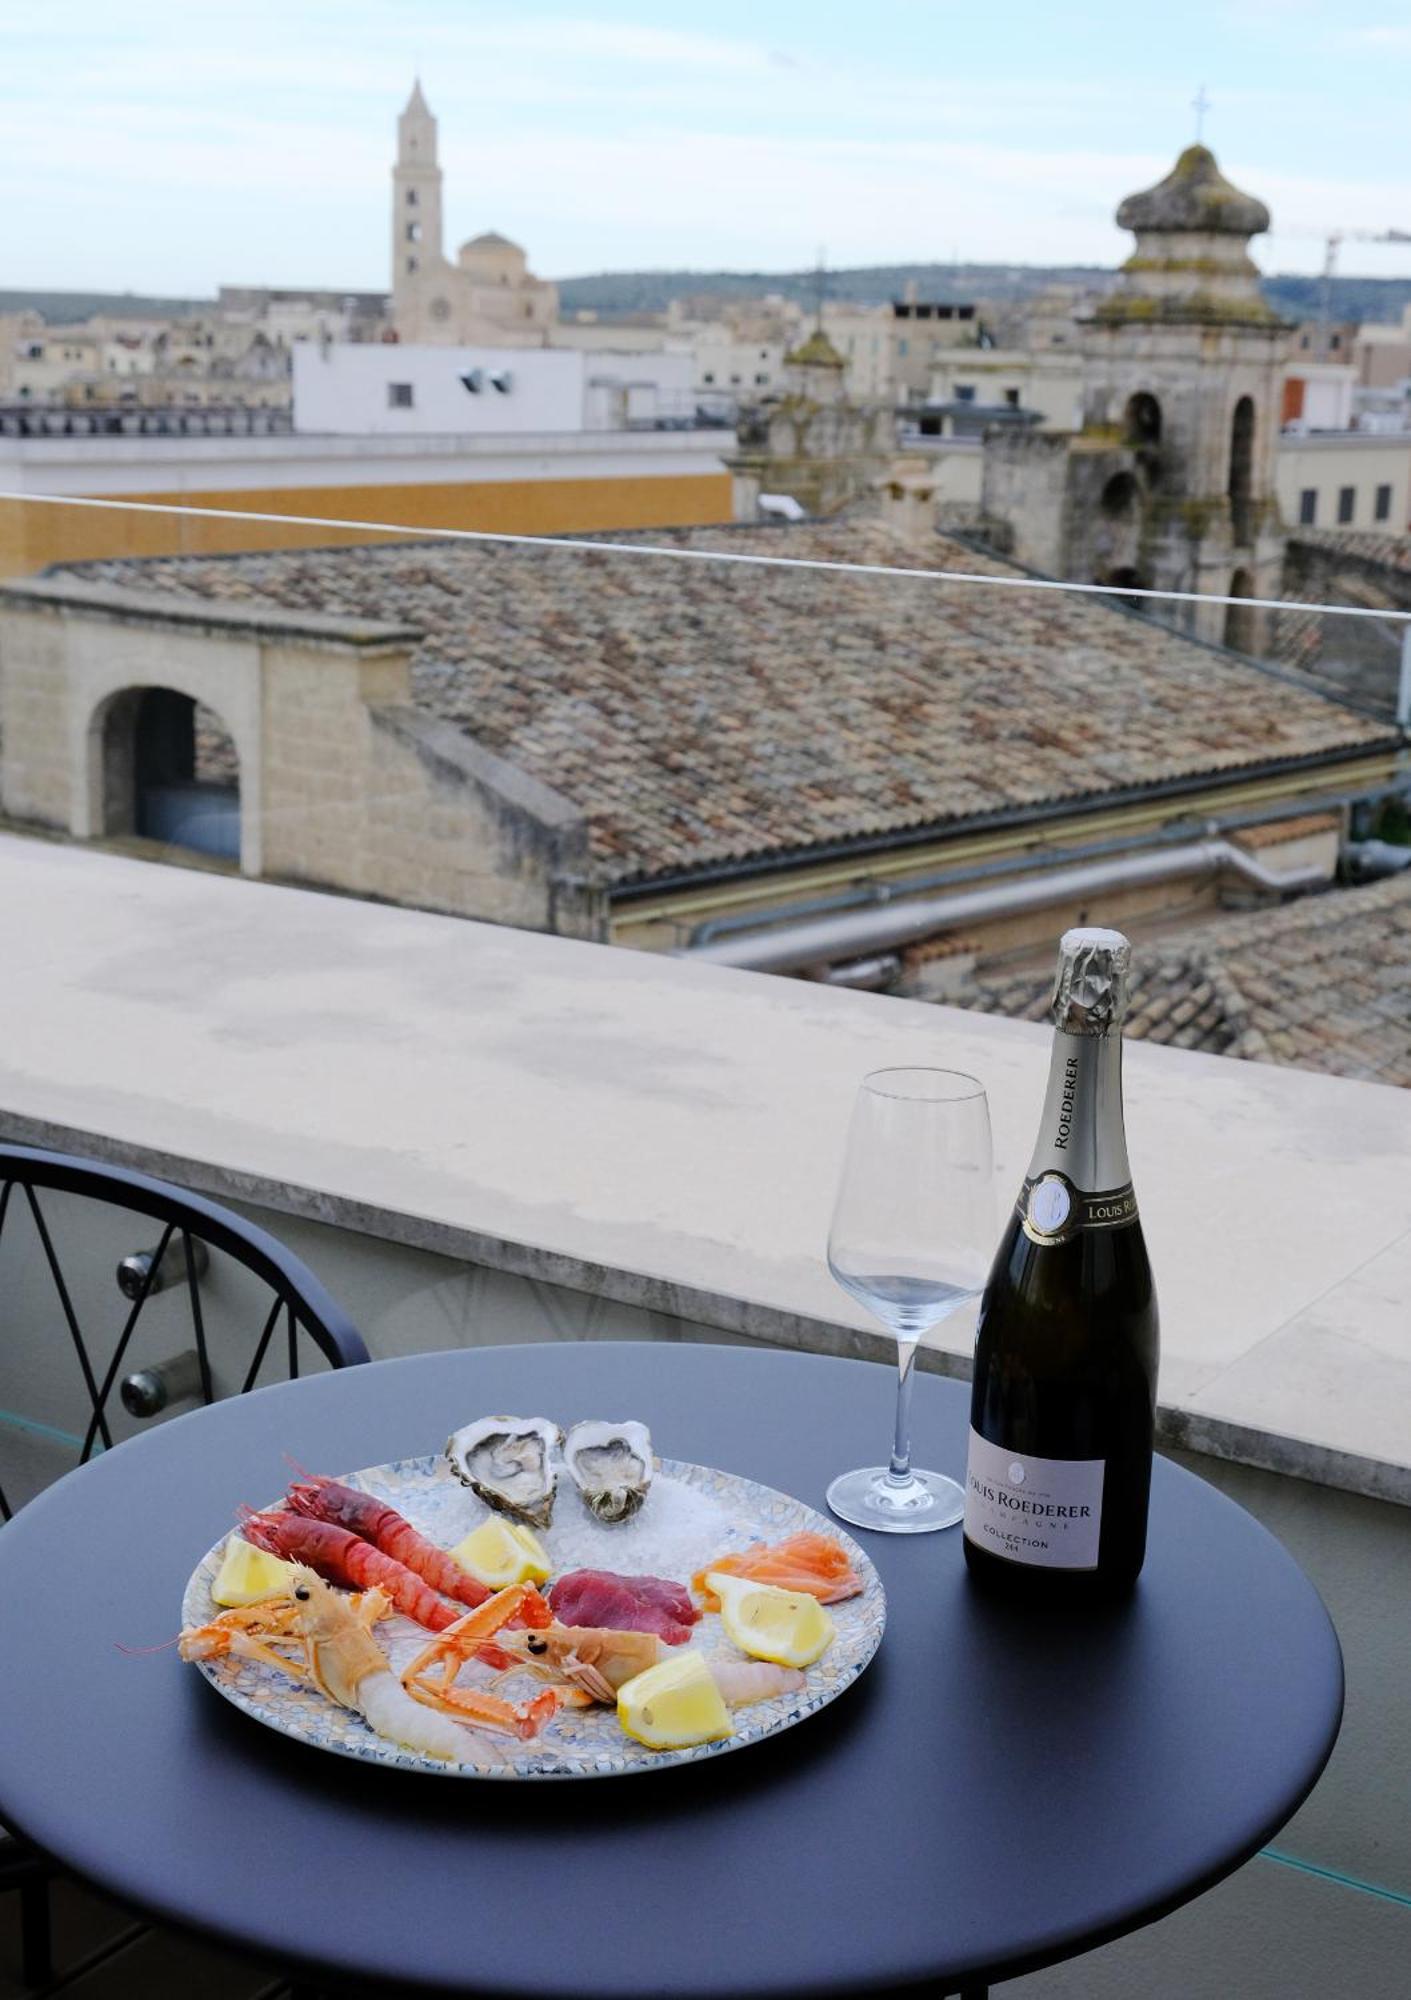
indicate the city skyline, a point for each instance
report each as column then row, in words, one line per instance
column 170, row 162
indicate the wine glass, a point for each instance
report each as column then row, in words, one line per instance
column 912, row 1234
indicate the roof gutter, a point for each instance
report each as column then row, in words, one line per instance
column 860, row 933
column 1041, row 813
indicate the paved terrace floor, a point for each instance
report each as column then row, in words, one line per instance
column 668, row 1135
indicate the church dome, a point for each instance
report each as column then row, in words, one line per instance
column 1196, row 199
column 490, row 239
column 817, row 351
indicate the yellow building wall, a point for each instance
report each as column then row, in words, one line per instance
column 33, row 535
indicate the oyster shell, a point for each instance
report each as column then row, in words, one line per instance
column 509, row 1462
column 611, row 1465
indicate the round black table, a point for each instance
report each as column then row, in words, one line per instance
column 999, row 1790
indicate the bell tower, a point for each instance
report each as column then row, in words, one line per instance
column 1170, row 482
column 416, row 210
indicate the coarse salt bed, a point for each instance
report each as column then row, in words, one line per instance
column 675, row 1532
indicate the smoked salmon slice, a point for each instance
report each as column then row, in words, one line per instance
column 807, row 1562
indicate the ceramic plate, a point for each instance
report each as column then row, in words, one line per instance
column 692, row 1514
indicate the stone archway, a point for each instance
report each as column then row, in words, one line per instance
column 170, row 772
column 197, row 708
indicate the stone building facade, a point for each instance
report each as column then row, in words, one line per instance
column 488, row 296
column 1169, row 482
column 812, row 441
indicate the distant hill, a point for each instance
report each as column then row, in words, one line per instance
column 64, row 308
column 614, row 292
column 623, row 292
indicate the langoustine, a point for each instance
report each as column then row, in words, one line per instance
column 333, row 1647
column 595, row 1663
column 431, row 1676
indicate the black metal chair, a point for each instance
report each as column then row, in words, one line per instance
column 189, row 1228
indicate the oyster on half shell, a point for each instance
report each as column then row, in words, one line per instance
column 611, row 1465
column 509, row 1463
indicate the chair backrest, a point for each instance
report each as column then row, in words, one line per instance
column 187, row 1227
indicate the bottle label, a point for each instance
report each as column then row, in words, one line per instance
column 1052, row 1209
column 1033, row 1510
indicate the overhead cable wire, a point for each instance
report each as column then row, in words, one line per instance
column 588, row 546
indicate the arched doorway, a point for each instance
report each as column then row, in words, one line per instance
column 1241, row 481
column 170, row 772
column 1240, row 619
column 1142, row 421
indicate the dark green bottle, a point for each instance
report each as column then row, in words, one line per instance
column 1064, row 1394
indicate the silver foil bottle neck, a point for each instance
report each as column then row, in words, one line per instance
column 1090, row 985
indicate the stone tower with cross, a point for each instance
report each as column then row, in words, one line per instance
column 416, row 206
column 489, row 295
column 1169, row 484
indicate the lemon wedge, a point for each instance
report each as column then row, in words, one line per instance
column 499, row 1553
column 247, row 1574
column 786, row 1626
column 674, row 1704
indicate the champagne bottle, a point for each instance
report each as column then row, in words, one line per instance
column 1064, row 1392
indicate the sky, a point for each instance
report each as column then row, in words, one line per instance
column 171, row 148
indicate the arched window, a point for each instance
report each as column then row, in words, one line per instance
column 170, row 772
column 1241, row 481
column 1240, row 618
column 1142, row 423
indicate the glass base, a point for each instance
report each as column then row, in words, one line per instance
column 869, row 1499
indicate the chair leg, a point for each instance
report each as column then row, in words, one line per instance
column 36, row 1935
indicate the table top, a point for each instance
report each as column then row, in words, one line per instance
column 1001, row 1788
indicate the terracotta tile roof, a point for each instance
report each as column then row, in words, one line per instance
column 1385, row 550
column 1322, row 983
column 702, row 714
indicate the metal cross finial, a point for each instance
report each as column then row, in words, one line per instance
column 1200, row 104
column 820, row 285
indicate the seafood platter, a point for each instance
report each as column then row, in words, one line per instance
column 533, row 1603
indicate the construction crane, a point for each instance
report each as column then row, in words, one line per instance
column 1332, row 243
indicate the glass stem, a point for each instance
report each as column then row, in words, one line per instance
column 899, row 1471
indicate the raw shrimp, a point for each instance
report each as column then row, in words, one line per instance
column 431, row 1676
column 320, row 1499
column 346, row 1559
column 346, row 1663
column 596, row 1662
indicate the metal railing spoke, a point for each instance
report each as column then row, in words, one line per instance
column 70, row 1316
column 144, row 1292
column 263, row 1347
column 198, row 1325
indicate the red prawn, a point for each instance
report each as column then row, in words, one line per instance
column 346, row 1559
column 321, row 1499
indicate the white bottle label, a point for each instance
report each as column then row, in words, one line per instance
column 1033, row 1510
